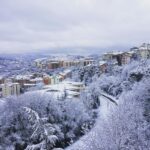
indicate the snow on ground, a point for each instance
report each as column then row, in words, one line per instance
column 86, row 142
column 2, row 101
column 59, row 90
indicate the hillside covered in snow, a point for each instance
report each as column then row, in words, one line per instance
column 112, row 113
column 125, row 125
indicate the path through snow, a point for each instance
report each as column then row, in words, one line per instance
column 87, row 141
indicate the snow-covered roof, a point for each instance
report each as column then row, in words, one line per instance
column 54, row 94
column 73, row 93
column 145, row 46
column 37, row 79
column 63, row 86
column 59, row 87
column 73, row 83
column 67, row 71
column 114, row 53
column 28, row 84
column 59, row 76
column 24, row 77
column 131, row 52
column 10, row 84
column 72, row 88
column 62, row 73
column 102, row 62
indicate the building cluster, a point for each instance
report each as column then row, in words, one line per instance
column 122, row 58
column 22, row 83
column 57, row 78
column 9, row 88
column 16, row 85
column 55, row 83
column 46, row 63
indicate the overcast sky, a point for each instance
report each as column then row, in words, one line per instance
column 59, row 25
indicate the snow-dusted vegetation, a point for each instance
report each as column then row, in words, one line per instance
column 126, row 126
column 35, row 121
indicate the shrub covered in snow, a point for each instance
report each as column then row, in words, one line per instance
column 126, row 126
column 35, row 121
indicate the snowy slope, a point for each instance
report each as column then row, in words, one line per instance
column 86, row 142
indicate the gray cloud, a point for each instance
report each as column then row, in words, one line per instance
column 57, row 25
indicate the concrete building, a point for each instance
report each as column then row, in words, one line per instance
column 10, row 89
column 45, row 63
column 36, row 80
column 88, row 62
column 73, row 89
column 103, row 66
column 47, row 80
column 144, row 51
column 23, row 79
column 50, row 80
column 113, row 56
column 53, row 65
column 66, row 74
column 68, row 63
column 40, row 62
column 127, row 57
column 107, row 56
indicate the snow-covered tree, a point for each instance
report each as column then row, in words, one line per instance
column 85, row 74
column 125, row 126
column 43, row 132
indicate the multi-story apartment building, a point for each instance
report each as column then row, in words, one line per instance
column 103, row 66
column 121, row 58
column 113, row 56
column 40, row 63
column 52, row 79
column 127, row 57
column 66, row 74
column 53, row 65
column 67, row 63
column 88, row 62
column 47, row 80
column 58, row 63
column 10, row 89
column 108, row 56
column 144, row 51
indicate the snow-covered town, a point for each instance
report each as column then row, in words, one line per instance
column 74, row 75
column 85, row 89
column 59, row 72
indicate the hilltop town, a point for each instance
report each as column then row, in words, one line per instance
column 76, row 102
column 45, row 73
column 74, row 75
